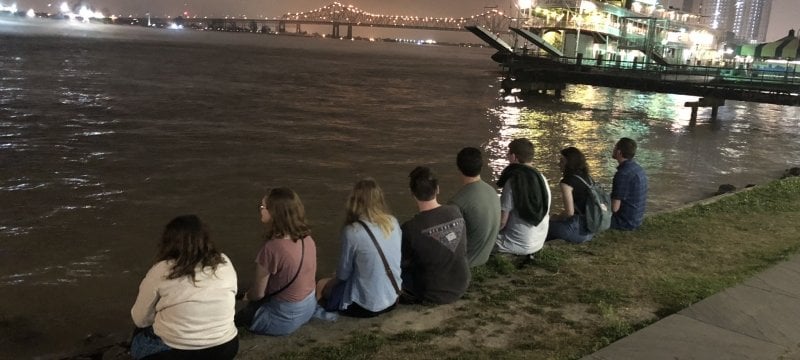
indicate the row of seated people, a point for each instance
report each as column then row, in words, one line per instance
column 186, row 303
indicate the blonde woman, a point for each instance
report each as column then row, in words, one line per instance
column 282, row 297
column 366, row 283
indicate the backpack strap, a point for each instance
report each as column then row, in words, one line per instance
column 588, row 189
column 584, row 181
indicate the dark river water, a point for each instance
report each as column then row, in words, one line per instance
column 106, row 133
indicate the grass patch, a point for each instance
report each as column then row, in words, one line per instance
column 550, row 259
column 422, row 336
column 358, row 346
column 604, row 296
column 500, row 265
column 676, row 293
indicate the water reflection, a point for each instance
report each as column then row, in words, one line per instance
column 684, row 163
column 91, row 266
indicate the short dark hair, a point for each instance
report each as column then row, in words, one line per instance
column 627, row 147
column 423, row 183
column 522, row 148
column 469, row 161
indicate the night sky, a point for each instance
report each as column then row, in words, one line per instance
column 785, row 13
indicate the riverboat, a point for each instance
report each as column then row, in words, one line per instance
column 645, row 31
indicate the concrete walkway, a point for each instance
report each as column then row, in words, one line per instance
column 759, row 319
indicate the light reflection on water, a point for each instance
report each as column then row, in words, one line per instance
column 684, row 163
column 92, row 266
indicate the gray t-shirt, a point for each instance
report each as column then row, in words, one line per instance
column 480, row 206
column 520, row 237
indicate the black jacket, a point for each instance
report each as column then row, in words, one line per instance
column 529, row 191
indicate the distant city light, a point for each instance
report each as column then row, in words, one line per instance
column 30, row 13
column 588, row 6
column 12, row 8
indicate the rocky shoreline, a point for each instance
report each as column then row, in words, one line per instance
column 728, row 188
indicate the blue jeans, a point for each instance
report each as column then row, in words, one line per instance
column 276, row 317
column 146, row 342
column 571, row 230
column 147, row 345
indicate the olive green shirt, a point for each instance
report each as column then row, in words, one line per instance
column 480, row 206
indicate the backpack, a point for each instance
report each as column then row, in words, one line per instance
column 598, row 208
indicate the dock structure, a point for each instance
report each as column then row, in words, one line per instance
column 701, row 81
column 549, row 68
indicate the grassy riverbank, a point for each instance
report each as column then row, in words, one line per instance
column 575, row 299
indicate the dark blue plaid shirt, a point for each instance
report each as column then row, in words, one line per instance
column 630, row 188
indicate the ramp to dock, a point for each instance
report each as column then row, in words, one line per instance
column 538, row 41
column 491, row 39
column 657, row 58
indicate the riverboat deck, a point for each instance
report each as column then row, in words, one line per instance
column 549, row 69
column 704, row 81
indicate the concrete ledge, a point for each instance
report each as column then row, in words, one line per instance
column 768, row 315
column 782, row 279
column 757, row 319
column 681, row 337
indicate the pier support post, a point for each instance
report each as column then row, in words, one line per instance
column 335, row 31
column 281, row 27
column 693, row 119
column 349, row 31
column 713, row 103
column 298, row 30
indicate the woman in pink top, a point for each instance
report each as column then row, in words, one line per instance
column 282, row 297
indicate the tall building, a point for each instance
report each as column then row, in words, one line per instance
column 746, row 19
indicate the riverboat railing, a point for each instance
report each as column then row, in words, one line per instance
column 732, row 74
column 719, row 82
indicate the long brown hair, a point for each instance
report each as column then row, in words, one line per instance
column 575, row 163
column 367, row 201
column 186, row 241
column 287, row 213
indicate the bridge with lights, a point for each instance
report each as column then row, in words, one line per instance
column 338, row 16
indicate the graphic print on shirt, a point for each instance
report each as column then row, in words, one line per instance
column 447, row 233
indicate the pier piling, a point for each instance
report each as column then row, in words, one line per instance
column 713, row 103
